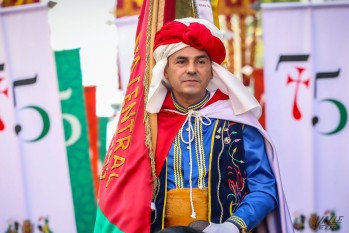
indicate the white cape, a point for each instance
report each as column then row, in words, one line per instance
column 279, row 220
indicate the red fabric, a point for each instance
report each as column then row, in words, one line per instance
column 195, row 35
column 169, row 124
column 126, row 184
column 90, row 105
column 169, row 15
column 218, row 95
column 259, row 92
column 5, row 92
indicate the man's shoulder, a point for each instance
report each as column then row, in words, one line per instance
column 216, row 96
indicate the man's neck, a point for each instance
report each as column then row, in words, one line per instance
column 194, row 106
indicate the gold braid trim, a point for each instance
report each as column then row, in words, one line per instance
column 146, row 80
column 239, row 222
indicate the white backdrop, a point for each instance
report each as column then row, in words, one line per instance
column 307, row 104
column 34, row 171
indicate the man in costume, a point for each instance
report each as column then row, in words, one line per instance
column 214, row 161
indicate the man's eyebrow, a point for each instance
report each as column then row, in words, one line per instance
column 181, row 57
column 202, row 56
column 197, row 57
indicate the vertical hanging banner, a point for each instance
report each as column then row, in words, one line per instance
column 76, row 137
column 12, row 196
column 204, row 10
column 125, row 182
column 259, row 91
column 92, row 122
column 37, row 123
column 307, row 104
column 126, row 20
column 102, row 137
column 126, row 28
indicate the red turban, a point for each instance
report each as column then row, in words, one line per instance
column 196, row 35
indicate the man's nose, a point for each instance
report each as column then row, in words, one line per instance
column 191, row 69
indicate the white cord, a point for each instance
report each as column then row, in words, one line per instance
column 191, row 135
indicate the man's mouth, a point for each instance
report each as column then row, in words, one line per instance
column 191, row 80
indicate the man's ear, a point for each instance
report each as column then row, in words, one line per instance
column 165, row 72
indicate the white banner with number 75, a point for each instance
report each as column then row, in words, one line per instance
column 306, row 86
column 34, row 172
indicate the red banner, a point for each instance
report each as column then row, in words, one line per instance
column 258, row 78
column 126, row 183
column 92, row 122
column 125, row 191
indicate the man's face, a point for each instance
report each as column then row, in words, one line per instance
column 189, row 71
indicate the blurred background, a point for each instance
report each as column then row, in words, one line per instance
column 64, row 69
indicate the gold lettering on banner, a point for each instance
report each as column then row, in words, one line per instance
column 128, row 112
column 134, row 80
column 133, row 94
column 122, row 140
column 118, row 162
column 135, row 62
column 137, row 44
column 111, row 175
column 103, row 174
column 130, row 127
column 123, row 143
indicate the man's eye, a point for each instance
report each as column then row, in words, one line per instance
column 180, row 62
column 203, row 61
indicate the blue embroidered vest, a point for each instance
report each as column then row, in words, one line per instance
column 227, row 177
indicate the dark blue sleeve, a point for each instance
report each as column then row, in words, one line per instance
column 262, row 198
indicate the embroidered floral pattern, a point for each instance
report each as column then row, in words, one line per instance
column 232, row 140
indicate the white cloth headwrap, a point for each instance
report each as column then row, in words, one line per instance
column 241, row 99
